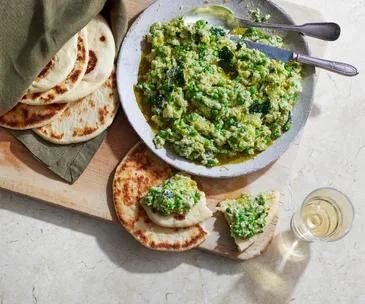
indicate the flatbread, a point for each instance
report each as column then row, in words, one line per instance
column 58, row 92
column 272, row 208
column 23, row 117
column 137, row 172
column 101, row 59
column 57, row 69
column 198, row 214
column 86, row 118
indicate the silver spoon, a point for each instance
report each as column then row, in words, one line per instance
column 221, row 16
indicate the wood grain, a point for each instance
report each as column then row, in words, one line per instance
column 92, row 193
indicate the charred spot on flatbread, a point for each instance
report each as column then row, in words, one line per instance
column 23, row 116
column 45, row 70
column 91, row 64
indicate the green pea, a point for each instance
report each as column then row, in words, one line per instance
column 146, row 101
column 253, row 90
column 276, row 134
column 153, row 74
column 193, row 116
column 288, row 68
column 216, row 53
column 197, row 98
column 215, row 112
column 200, row 24
column 152, row 86
column 233, row 140
column 221, row 83
column 193, row 133
column 162, row 134
column 274, row 124
column 211, row 162
column 265, row 61
column 228, row 210
column 287, row 126
column 216, row 95
column 251, row 30
column 204, row 47
column 230, row 121
column 140, row 84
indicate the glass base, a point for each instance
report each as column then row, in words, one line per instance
column 296, row 231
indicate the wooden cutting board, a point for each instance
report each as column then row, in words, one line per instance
column 92, row 193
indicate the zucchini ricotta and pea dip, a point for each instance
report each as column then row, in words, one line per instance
column 179, row 194
column 210, row 99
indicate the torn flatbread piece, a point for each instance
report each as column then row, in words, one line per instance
column 248, row 216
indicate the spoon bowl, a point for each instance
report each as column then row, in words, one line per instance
column 215, row 15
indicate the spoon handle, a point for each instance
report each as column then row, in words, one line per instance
column 329, row 31
column 333, row 66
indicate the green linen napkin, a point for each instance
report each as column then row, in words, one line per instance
column 32, row 32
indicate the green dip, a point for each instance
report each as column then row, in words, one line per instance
column 178, row 194
column 247, row 215
column 212, row 99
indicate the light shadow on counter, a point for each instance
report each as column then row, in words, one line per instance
column 275, row 274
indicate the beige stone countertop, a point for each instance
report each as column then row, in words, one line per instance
column 49, row 255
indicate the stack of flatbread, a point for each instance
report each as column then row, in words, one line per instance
column 136, row 174
column 74, row 97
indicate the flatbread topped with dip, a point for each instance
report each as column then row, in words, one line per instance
column 249, row 216
column 176, row 203
column 136, row 174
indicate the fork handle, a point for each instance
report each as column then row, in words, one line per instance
column 329, row 31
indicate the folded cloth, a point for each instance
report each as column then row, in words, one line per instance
column 32, row 32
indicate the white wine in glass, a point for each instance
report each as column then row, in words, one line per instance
column 325, row 215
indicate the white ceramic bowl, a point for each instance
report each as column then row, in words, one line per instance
column 127, row 73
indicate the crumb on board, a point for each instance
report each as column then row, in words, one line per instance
column 226, row 1
column 206, row 1
column 181, row 7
